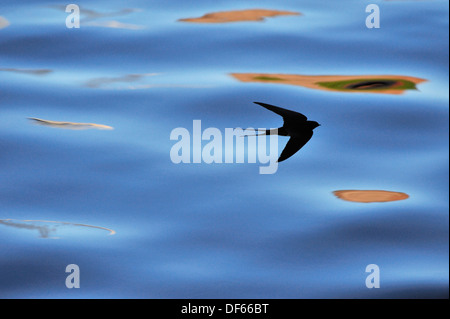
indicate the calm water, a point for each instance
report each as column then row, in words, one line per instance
column 140, row 226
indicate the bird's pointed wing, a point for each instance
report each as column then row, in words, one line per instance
column 286, row 114
column 294, row 144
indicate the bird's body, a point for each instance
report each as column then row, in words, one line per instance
column 295, row 125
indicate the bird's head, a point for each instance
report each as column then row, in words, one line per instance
column 313, row 124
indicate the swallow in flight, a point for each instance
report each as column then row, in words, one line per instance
column 295, row 125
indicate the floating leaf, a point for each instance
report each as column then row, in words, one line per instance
column 238, row 15
column 386, row 84
column 370, row 196
column 368, row 84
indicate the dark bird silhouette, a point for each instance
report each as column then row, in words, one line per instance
column 295, row 125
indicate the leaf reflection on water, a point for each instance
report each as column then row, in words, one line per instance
column 45, row 230
column 3, row 22
column 70, row 125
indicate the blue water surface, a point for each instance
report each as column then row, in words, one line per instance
column 220, row 230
